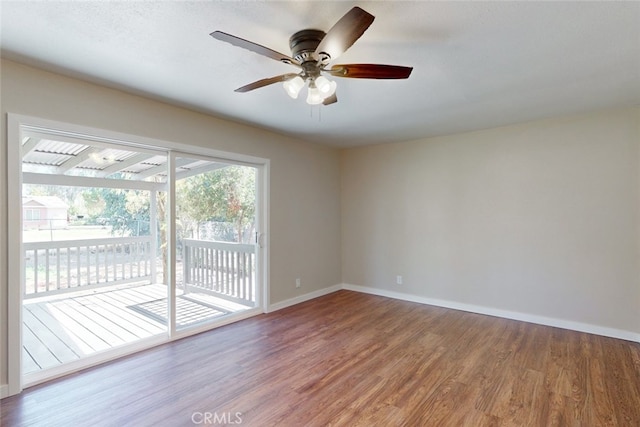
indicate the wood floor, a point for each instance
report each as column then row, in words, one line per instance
column 350, row 359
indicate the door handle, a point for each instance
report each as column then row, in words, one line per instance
column 260, row 240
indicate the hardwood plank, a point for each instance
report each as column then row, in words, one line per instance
column 595, row 411
column 473, row 417
column 349, row 359
column 493, row 379
column 556, row 411
column 621, row 382
column 347, row 409
column 532, row 350
column 442, row 406
column 523, row 391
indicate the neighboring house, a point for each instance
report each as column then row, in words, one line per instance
column 44, row 212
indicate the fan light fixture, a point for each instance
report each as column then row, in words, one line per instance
column 293, row 86
column 312, row 51
column 319, row 89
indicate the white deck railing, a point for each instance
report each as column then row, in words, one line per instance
column 70, row 265
column 224, row 269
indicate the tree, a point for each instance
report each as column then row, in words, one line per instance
column 92, row 203
column 226, row 194
column 127, row 211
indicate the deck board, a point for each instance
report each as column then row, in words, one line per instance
column 104, row 317
column 75, row 342
column 92, row 322
column 143, row 294
column 76, row 329
column 138, row 324
column 66, row 327
column 62, row 351
column 41, row 355
column 28, row 364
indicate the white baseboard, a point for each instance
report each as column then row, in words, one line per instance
column 302, row 298
column 4, row 391
column 513, row 315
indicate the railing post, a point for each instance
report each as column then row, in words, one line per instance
column 186, row 265
column 153, row 228
column 35, row 273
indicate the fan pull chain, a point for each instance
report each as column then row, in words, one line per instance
column 319, row 113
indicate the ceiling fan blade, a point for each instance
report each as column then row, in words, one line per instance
column 265, row 82
column 253, row 47
column 330, row 100
column 370, row 71
column 344, row 33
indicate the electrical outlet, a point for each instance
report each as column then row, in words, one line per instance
column 298, row 283
column 398, row 280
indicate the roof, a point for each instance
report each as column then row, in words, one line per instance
column 46, row 201
column 46, row 154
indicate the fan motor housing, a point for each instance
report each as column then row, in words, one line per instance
column 303, row 45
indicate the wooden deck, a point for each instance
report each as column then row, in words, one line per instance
column 63, row 328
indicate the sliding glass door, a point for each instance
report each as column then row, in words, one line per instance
column 123, row 246
column 90, row 247
column 215, row 228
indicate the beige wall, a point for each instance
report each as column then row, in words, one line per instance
column 305, row 180
column 539, row 218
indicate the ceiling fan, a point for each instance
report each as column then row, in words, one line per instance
column 312, row 51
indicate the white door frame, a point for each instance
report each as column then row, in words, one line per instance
column 15, row 277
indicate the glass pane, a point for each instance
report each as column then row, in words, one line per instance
column 215, row 225
column 93, row 264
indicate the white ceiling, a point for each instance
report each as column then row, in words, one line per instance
column 476, row 64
